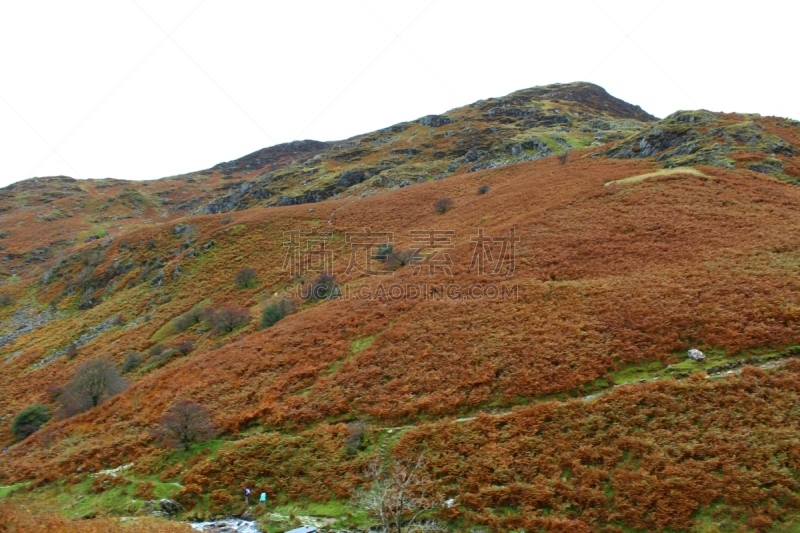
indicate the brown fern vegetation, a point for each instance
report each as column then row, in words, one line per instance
column 647, row 457
column 606, row 276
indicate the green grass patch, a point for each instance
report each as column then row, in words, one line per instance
column 359, row 345
column 207, row 448
column 356, row 347
column 637, row 372
column 7, row 490
column 78, row 501
column 334, row 514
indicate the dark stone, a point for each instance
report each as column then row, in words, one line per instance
column 407, row 151
column 435, row 121
column 473, row 155
column 171, row 507
column 351, row 177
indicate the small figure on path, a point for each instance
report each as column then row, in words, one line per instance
column 262, row 501
column 247, row 495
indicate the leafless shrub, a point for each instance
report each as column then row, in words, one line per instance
column 184, row 347
column 183, row 424
column 398, row 259
column 562, row 157
column 324, row 287
column 399, row 497
column 443, row 205
column 6, row 299
column 227, row 319
column 355, row 436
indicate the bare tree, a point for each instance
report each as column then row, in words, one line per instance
column 94, row 382
column 184, row 424
column 399, row 497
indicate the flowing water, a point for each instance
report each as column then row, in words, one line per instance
column 229, row 525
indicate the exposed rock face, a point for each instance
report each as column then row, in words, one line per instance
column 688, row 138
column 435, row 121
column 429, row 148
column 171, row 507
column 353, row 176
column 696, row 355
column 230, row 200
column 24, row 320
column 273, row 155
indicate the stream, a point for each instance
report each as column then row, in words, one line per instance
column 229, row 525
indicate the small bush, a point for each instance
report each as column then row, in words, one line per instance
column 30, row 420
column 6, row 299
column 324, row 287
column 443, row 205
column 156, row 350
column 227, row 319
column 184, row 347
column 246, row 278
column 562, row 157
column 383, row 252
column 397, row 260
column 355, row 436
column 275, row 311
column 131, row 362
column 483, row 189
column 188, row 319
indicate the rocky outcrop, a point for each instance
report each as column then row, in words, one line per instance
column 688, row 138
column 696, row 355
column 486, row 134
column 435, row 121
column 171, row 507
column 24, row 320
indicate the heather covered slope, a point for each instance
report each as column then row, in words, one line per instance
column 621, row 266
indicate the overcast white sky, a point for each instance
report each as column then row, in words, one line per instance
column 140, row 89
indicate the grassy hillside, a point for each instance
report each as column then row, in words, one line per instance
column 621, row 266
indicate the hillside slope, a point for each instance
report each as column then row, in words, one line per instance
column 621, row 265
